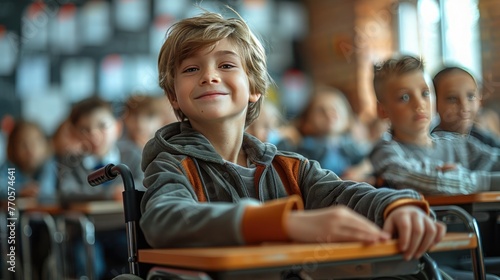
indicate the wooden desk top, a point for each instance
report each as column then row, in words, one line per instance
column 98, row 207
column 283, row 254
column 28, row 204
column 463, row 199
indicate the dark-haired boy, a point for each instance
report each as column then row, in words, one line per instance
column 97, row 127
column 458, row 101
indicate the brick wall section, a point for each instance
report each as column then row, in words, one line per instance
column 331, row 33
column 490, row 45
column 345, row 38
column 376, row 42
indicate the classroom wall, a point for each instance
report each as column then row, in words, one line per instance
column 490, row 45
column 345, row 39
column 334, row 42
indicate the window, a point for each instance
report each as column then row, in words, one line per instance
column 442, row 32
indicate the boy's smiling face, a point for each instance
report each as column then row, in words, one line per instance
column 406, row 103
column 458, row 101
column 213, row 85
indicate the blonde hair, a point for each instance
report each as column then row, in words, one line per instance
column 190, row 35
column 394, row 67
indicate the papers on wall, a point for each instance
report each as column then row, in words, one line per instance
column 34, row 26
column 157, row 32
column 33, row 76
column 9, row 49
column 63, row 30
column 47, row 111
column 132, row 15
column 142, row 75
column 259, row 15
column 95, row 23
column 112, row 78
column 173, row 8
column 78, row 78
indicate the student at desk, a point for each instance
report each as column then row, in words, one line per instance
column 98, row 129
column 458, row 102
column 29, row 154
column 211, row 184
column 411, row 157
column 35, row 173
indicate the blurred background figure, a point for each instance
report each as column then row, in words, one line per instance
column 488, row 119
column 266, row 126
column 143, row 115
column 326, row 128
column 6, row 125
column 30, row 156
column 167, row 110
column 29, row 152
column 65, row 142
column 458, row 100
column 95, row 124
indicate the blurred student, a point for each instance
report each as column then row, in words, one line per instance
column 66, row 143
column 98, row 129
column 458, row 100
column 30, row 157
column 143, row 116
column 488, row 119
column 325, row 128
column 168, row 112
column 411, row 157
column 270, row 126
column 211, row 184
column 6, row 125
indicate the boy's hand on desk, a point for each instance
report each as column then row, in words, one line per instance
column 416, row 231
column 333, row 224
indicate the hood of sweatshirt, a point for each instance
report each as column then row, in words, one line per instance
column 181, row 139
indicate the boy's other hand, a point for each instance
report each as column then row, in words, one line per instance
column 333, row 224
column 447, row 167
column 31, row 189
column 416, row 231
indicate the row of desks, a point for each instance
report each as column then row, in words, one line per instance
column 89, row 217
column 279, row 255
column 250, row 258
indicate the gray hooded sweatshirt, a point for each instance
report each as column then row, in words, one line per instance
column 195, row 198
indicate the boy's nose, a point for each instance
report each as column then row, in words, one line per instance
column 95, row 135
column 419, row 103
column 464, row 106
column 209, row 76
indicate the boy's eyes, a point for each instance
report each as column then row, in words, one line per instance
column 100, row 127
column 452, row 99
column 471, row 96
column 188, row 70
column 405, row 97
column 227, row 66
column 222, row 66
